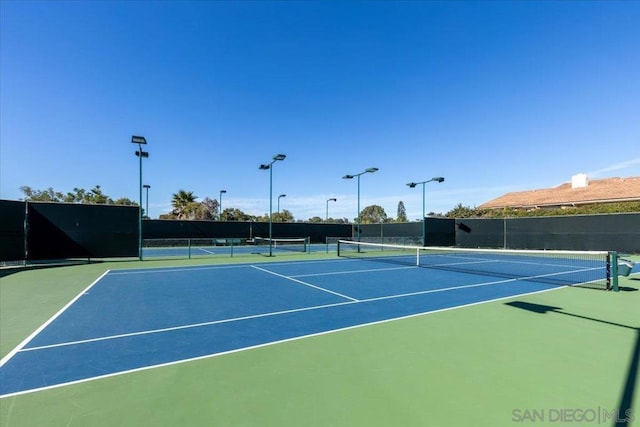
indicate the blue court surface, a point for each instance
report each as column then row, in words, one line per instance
column 129, row 320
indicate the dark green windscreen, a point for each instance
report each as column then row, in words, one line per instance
column 60, row 230
column 12, row 230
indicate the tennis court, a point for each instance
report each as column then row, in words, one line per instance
column 375, row 339
column 135, row 319
column 228, row 247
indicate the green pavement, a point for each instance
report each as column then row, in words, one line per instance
column 505, row 363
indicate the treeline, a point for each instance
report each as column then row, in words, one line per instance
column 78, row 195
column 460, row 211
column 186, row 206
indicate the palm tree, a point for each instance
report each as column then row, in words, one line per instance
column 180, row 201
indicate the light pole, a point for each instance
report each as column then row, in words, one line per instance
column 333, row 199
column 269, row 166
column 368, row 170
column 140, row 140
column 220, row 203
column 279, row 197
column 146, row 209
column 413, row 185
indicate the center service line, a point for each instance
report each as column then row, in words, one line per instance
column 304, row 283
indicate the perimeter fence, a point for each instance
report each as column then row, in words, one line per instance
column 49, row 231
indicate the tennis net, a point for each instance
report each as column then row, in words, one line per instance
column 594, row 269
column 295, row 244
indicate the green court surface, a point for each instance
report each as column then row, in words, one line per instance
column 562, row 357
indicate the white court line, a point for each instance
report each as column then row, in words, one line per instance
column 19, row 347
column 503, row 261
column 304, row 283
column 369, row 270
column 190, row 326
column 152, row 270
column 207, row 251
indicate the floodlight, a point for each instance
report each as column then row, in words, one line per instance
column 138, row 140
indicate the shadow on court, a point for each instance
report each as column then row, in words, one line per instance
column 625, row 406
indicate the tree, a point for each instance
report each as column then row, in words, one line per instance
column 125, row 201
column 402, row 212
column 230, row 214
column 190, row 211
column 181, row 202
column 282, row 216
column 95, row 195
column 329, row 220
column 373, row 214
column 208, row 209
column 48, row 195
column 169, row 215
column 460, row 211
column 78, row 195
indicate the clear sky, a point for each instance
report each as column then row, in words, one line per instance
column 494, row 96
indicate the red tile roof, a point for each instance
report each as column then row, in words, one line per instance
column 606, row 190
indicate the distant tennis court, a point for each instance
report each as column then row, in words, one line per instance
column 228, row 247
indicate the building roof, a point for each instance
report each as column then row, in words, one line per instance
column 606, row 190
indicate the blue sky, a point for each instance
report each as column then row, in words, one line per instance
column 493, row 96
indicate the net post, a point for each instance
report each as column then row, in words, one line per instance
column 189, row 248
column 417, row 257
column 338, row 248
column 613, row 261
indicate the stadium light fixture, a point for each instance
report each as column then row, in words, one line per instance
column 333, row 199
column 220, row 203
column 368, row 170
column 276, row 158
column 414, row 185
column 140, row 154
